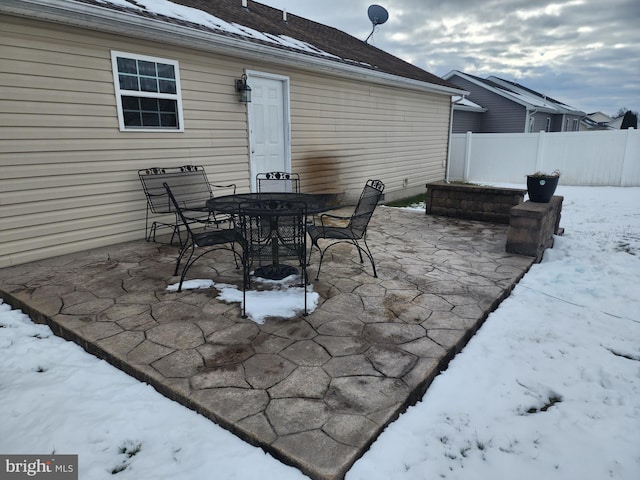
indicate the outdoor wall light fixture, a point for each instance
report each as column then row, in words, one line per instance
column 243, row 89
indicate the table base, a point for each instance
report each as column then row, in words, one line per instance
column 275, row 272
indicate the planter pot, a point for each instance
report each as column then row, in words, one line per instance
column 541, row 188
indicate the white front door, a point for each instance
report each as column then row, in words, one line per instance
column 268, row 124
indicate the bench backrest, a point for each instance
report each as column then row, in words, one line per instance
column 278, row 182
column 189, row 185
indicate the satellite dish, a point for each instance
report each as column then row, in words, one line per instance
column 378, row 15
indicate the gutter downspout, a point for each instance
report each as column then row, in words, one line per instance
column 528, row 119
column 448, row 159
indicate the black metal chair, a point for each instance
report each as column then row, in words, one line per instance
column 191, row 187
column 218, row 238
column 273, row 230
column 278, row 182
column 355, row 232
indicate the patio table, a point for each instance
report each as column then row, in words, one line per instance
column 315, row 203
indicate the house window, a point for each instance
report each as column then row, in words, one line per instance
column 548, row 127
column 148, row 93
column 575, row 125
column 532, row 124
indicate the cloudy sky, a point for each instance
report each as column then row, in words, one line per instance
column 585, row 53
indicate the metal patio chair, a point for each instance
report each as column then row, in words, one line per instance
column 273, row 230
column 355, row 232
column 220, row 239
column 278, row 182
column 191, row 188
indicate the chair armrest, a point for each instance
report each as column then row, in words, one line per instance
column 331, row 220
column 186, row 208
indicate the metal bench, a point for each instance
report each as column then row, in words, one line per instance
column 191, row 189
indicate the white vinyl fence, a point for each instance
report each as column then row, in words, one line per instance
column 607, row 157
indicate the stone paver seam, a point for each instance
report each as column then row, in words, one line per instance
column 126, row 354
column 447, row 349
column 173, row 350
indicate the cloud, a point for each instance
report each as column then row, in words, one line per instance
column 582, row 52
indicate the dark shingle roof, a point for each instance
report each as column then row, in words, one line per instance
column 346, row 48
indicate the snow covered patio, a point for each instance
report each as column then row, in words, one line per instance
column 313, row 391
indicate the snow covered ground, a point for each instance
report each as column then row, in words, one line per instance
column 549, row 388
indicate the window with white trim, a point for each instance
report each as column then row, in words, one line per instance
column 147, row 92
column 575, row 125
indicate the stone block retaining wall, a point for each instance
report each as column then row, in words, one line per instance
column 472, row 202
column 533, row 226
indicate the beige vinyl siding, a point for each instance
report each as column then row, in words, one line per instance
column 68, row 176
column 345, row 132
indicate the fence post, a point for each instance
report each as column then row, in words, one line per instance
column 540, row 151
column 467, row 157
column 626, row 159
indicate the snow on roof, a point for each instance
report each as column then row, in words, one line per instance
column 200, row 17
column 265, row 25
column 533, row 97
column 532, row 100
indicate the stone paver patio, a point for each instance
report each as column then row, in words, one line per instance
column 313, row 391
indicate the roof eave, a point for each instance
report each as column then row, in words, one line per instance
column 131, row 25
column 536, row 109
column 467, row 108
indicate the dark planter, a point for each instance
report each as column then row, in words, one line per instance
column 541, row 188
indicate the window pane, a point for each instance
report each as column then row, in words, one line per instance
column 169, row 120
column 130, row 103
column 168, row 106
column 166, row 86
column 132, row 119
column 150, row 119
column 166, row 71
column 127, row 65
column 148, row 84
column 149, row 104
column 128, row 82
column 147, row 68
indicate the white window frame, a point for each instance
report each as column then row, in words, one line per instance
column 143, row 94
column 574, row 126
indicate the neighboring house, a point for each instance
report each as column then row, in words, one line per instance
column 601, row 121
column 616, row 123
column 596, row 121
column 509, row 108
column 94, row 90
column 467, row 115
column 599, row 117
